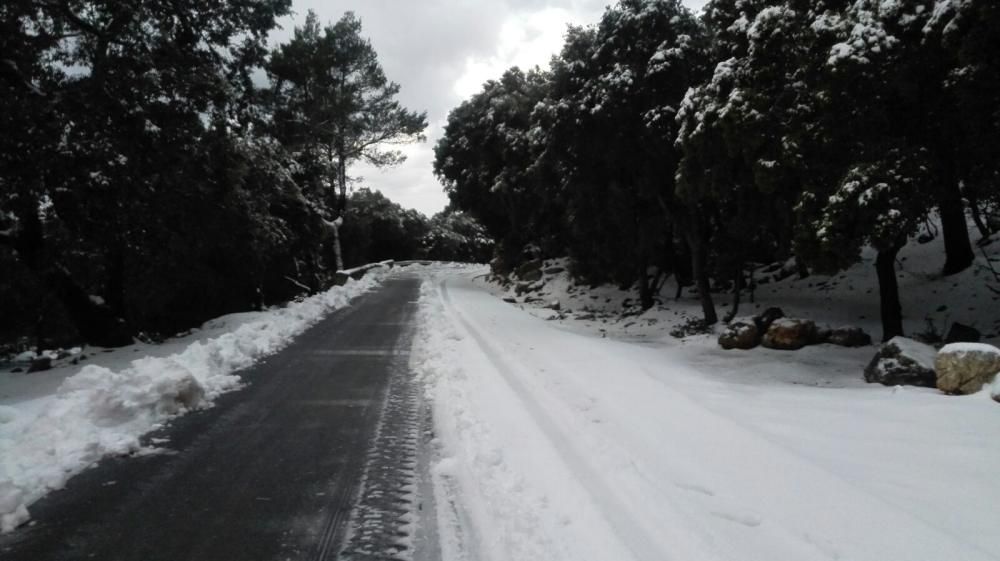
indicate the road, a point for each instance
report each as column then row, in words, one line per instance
column 326, row 432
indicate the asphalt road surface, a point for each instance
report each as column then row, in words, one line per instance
column 327, row 432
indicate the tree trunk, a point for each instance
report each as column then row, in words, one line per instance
column 737, row 290
column 957, row 246
column 95, row 323
column 888, row 288
column 114, row 291
column 681, row 262
column 801, row 268
column 977, row 217
column 645, row 290
column 337, row 255
column 699, row 267
column 341, row 198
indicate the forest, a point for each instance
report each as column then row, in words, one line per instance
column 160, row 165
column 788, row 132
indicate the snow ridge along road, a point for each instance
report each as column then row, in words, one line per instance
column 554, row 445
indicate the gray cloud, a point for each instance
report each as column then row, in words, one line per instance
column 430, row 47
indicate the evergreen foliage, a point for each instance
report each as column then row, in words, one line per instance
column 766, row 130
column 147, row 183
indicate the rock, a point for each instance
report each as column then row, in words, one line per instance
column 902, row 361
column 740, row 335
column 766, row 318
column 522, row 287
column 16, row 370
column 586, row 317
column 554, row 305
column 848, row 337
column 40, row 364
column 964, row 368
column 499, row 267
column 510, row 300
column 961, row 333
column 530, row 270
column 531, row 276
column 789, row 334
column 553, row 270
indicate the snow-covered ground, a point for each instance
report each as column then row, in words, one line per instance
column 56, row 423
column 606, row 438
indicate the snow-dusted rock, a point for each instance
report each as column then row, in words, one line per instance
column 530, row 271
column 789, row 334
column 740, row 334
column 766, row 318
column 902, row 361
column 964, row 368
column 40, row 364
column 848, row 336
column 554, row 270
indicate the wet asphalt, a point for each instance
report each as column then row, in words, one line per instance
column 271, row 472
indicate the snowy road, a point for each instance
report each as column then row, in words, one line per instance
column 556, row 445
column 466, row 429
column 272, row 471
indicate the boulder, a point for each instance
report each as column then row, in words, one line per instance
column 766, row 318
column 554, row 305
column 40, row 364
column 789, row 334
column 522, row 287
column 530, row 271
column 961, row 333
column 499, row 266
column 902, row 361
column 964, row 368
column 848, row 337
column 740, row 335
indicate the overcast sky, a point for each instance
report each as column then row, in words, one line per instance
column 441, row 52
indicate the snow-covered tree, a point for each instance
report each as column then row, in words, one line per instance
column 610, row 126
column 485, row 160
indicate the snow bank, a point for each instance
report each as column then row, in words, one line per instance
column 98, row 411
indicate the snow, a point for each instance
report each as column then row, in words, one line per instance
column 956, row 348
column 55, row 424
column 922, row 354
column 604, row 438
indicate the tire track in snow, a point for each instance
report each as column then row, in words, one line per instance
column 629, row 531
column 825, row 516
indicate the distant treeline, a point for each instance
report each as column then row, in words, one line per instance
column 148, row 182
column 660, row 143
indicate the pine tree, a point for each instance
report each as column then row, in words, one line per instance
column 334, row 106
